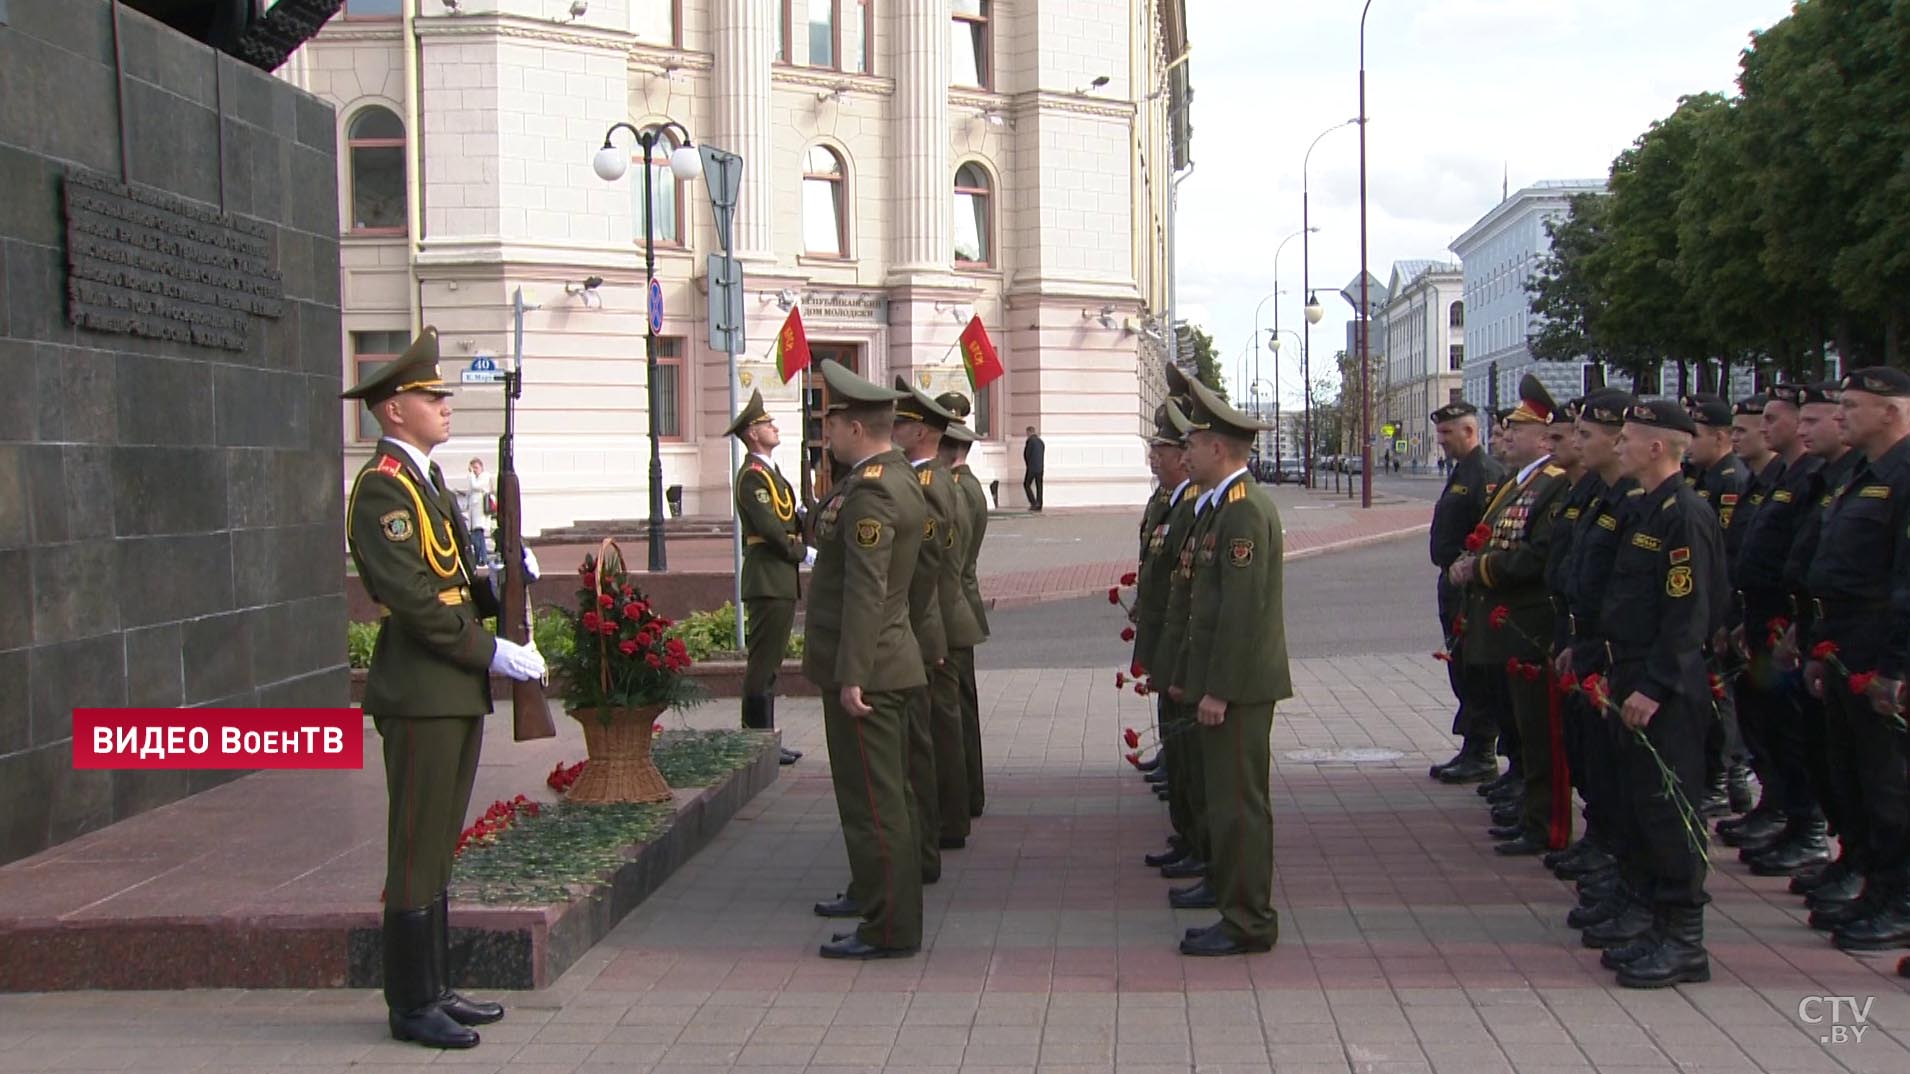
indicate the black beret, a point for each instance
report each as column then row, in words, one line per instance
column 1752, row 405
column 1662, row 414
column 1567, row 414
column 1709, row 410
column 1453, row 412
column 1828, row 391
column 1608, row 407
column 1787, row 393
column 1879, row 380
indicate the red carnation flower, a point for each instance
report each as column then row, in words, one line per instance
column 1134, row 759
column 627, row 648
column 1443, row 656
column 1134, row 669
column 1512, row 667
column 1141, row 690
column 1568, row 681
column 1717, row 688
column 1778, row 624
column 675, row 646
column 591, row 621
column 645, row 638
column 1823, row 650
column 1128, row 578
column 1120, row 680
column 653, row 660
column 1477, row 539
column 608, row 628
column 605, row 600
column 1458, row 625
column 1130, row 736
column 1114, row 594
column 630, row 612
column 1860, row 682
column 1127, row 633
column 629, row 590
column 1499, row 617
column 1532, row 672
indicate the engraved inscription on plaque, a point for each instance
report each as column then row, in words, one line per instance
column 845, row 306
column 143, row 263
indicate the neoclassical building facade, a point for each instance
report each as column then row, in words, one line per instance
column 905, row 166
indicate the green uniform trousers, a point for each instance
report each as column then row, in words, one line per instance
column 925, row 803
column 951, row 750
column 963, row 661
column 869, row 763
column 1186, row 776
column 430, row 766
column 766, row 625
column 1237, row 758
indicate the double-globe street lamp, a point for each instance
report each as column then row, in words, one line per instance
column 1275, row 343
column 685, row 163
column 1366, row 305
column 1279, row 434
column 1314, row 311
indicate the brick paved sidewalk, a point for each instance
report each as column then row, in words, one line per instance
column 1406, row 946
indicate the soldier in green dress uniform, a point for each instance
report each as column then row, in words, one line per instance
column 1232, row 670
column 956, row 442
column 862, row 654
column 773, row 552
column 428, row 689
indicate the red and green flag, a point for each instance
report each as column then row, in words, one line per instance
column 792, row 346
column 978, row 355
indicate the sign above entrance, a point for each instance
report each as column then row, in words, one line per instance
column 866, row 307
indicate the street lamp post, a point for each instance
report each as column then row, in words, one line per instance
column 1275, row 341
column 1313, row 309
column 1279, row 436
column 685, row 163
column 1365, row 322
column 1259, row 414
column 1275, row 296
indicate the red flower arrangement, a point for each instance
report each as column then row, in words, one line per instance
column 1860, row 682
column 496, row 819
column 1519, row 669
column 1499, row 617
column 561, row 777
column 1477, row 539
column 633, row 663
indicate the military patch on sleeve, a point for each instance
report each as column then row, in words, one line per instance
column 1678, row 582
column 1678, row 555
column 1240, row 551
column 1728, row 499
column 1669, row 500
column 1492, row 488
column 1875, row 492
column 869, row 530
column 1458, row 490
column 1781, row 496
column 1647, row 542
column 872, row 471
column 396, row 525
column 762, row 495
column 1609, row 522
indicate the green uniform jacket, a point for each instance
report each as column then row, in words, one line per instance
column 433, row 655
column 868, row 533
column 1511, row 571
column 925, row 599
column 974, row 529
column 1152, row 516
column 1236, row 629
column 958, row 618
column 772, row 534
column 1156, row 576
column 1169, row 651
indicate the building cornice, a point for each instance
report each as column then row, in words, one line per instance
column 519, row 27
column 822, row 79
column 1531, row 197
column 357, row 30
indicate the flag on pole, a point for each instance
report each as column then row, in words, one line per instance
column 978, row 356
column 792, row 346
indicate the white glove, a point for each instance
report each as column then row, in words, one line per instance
column 520, row 662
column 809, row 557
column 530, row 564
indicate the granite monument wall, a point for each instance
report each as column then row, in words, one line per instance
column 171, row 523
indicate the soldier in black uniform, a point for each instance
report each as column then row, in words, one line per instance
column 1719, row 478
column 1460, row 508
column 1582, row 491
column 1861, row 606
column 1667, row 589
column 1581, row 585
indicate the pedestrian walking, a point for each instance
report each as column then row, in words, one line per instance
column 1034, row 464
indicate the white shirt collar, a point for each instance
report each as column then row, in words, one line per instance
column 1173, row 499
column 418, row 458
column 919, row 463
column 865, row 459
column 767, row 461
column 1533, row 466
column 1212, row 495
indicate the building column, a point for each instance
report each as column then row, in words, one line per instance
column 744, row 36
column 923, row 227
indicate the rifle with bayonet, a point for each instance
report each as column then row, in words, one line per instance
column 530, row 711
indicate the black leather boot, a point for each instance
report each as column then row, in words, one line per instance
column 1717, row 799
column 1632, row 921
column 1584, row 917
column 789, row 756
column 1840, row 884
column 1737, row 788
column 1474, row 764
column 1887, row 928
column 411, row 985
column 1810, row 878
column 465, row 1012
column 1830, row 916
column 1752, row 829
column 1679, row 957
column 1616, row 957
column 1805, row 842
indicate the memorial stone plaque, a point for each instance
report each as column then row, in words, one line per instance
column 144, row 263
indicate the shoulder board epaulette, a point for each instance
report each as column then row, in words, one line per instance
column 1875, row 492
column 1629, row 493
column 1193, row 489
column 390, row 465
column 926, row 476
column 1554, row 471
column 874, row 469
column 1782, row 496
column 757, row 466
column 1236, row 494
column 1669, row 500
column 1646, row 541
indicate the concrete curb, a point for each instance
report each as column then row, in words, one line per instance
column 1347, row 545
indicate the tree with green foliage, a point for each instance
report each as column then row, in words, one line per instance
column 1200, row 345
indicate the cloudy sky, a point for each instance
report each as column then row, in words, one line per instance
column 1460, row 94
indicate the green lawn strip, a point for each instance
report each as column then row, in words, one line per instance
column 565, row 848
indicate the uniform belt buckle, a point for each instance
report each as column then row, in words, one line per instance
column 1817, row 609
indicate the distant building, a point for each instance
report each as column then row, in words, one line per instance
column 1499, row 255
column 1421, row 337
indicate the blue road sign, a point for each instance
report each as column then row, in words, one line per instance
column 656, row 306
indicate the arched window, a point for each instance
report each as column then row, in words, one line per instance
column 375, row 145
column 666, row 195
column 974, row 216
column 825, row 225
column 1456, row 316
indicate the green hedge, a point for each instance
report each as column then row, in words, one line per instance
column 705, row 634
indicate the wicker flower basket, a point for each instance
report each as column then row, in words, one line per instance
column 620, row 768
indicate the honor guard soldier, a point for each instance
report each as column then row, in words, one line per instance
column 1666, row 590
column 861, row 653
column 1187, row 849
column 1458, row 511
column 1232, row 671
column 429, row 688
column 1582, row 492
column 1509, row 622
column 773, row 553
column 956, row 442
column 1862, row 617
column 1720, row 479
column 938, row 772
column 1579, row 590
